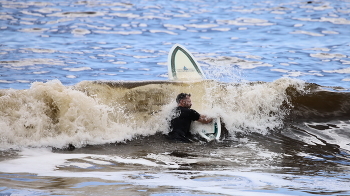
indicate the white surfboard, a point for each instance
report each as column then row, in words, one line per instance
column 210, row 131
column 183, row 67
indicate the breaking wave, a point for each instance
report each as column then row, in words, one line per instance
column 99, row 112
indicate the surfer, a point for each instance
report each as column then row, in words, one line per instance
column 182, row 117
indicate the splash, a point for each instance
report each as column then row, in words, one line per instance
column 253, row 107
column 51, row 114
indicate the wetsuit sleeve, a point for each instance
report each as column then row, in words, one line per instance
column 194, row 115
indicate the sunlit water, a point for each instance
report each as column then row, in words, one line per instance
column 107, row 40
column 285, row 135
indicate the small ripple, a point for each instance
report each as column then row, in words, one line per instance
column 71, row 76
column 307, row 33
column 106, row 55
column 342, row 71
column 327, row 55
column 221, row 29
column 330, row 32
column 319, row 49
column 204, row 37
column 163, row 31
column 26, row 23
column 77, row 69
column 33, row 30
column 345, row 62
column 6, row 81
column 201, row 26
column 31, row 62
column 325, row 19
column 119, row 32
column 182, row 15
column 32, row 14
column 278, row 12
column 40, row 50
column 324, row 7
column 40, row 72
column 23, row 81
column 119, row 62
column 76, row 14
column 125, row 15
column 173, row 26
column 6, row 17
column 246, row 21
column 48, row 10
column 143, row 57
column 99, row 27
column 80, row 31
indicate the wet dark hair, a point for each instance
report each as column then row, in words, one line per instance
column 182, row 96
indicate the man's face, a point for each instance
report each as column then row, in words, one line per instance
column 187, row 103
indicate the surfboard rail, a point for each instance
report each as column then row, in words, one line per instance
column 212, row 135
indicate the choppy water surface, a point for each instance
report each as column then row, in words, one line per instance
column 93, row 75
column 129, row 40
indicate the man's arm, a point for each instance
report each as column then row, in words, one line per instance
column 204, row 119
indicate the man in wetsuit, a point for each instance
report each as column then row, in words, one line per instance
column 182, row 117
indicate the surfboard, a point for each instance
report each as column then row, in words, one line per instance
column 209, row 132
column 182, row 66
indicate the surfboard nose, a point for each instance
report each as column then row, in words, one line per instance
column 182, row 65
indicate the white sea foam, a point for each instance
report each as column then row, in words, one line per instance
column 50, row 114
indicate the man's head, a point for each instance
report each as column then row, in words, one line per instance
column 184, row 100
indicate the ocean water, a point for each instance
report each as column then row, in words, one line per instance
column 85, row 96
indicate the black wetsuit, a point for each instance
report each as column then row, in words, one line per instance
column 181, row 122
